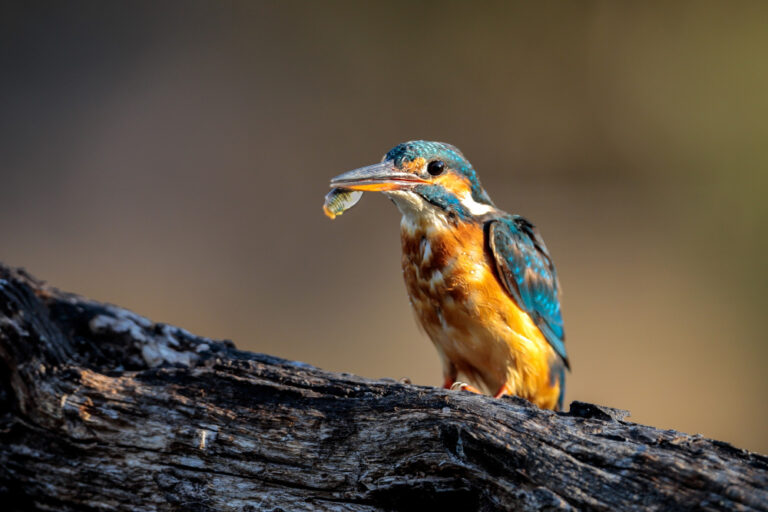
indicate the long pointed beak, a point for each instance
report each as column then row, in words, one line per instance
column 379, row 177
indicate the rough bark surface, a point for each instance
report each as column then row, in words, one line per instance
column 101, row 409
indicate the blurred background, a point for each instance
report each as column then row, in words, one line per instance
column 172, row 157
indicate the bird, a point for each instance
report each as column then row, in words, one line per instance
column 481, row 281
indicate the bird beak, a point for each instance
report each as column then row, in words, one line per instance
column 381, row 177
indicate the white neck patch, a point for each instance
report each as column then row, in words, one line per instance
column 473, row 206
column 418, row 212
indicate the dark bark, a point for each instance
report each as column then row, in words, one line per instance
column 101, row 409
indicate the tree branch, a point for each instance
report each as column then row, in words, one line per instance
column 101, row 409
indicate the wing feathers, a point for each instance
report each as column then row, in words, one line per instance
column 527, row 272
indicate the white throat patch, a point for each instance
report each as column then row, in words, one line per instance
column 416, row 211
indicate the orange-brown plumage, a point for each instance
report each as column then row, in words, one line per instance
column 482, row 336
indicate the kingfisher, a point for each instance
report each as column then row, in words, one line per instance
column 481, row 281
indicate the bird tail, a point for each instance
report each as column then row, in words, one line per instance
column 557, row 376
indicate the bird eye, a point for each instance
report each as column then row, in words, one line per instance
column 436, row 167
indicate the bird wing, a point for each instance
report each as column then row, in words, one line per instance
column 525, row 268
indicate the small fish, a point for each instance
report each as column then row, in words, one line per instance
column 339, row 200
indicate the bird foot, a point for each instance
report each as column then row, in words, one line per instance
column 463, row 386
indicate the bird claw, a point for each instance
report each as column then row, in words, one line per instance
column 463, row 386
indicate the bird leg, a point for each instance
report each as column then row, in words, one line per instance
column 505, row 390
column 449, row 374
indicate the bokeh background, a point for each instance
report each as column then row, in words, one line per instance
column 173, row 158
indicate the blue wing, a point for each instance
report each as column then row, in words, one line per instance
column 527, row 272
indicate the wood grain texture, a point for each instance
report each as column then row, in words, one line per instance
column 101, row 409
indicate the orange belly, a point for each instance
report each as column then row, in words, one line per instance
column 480, row 333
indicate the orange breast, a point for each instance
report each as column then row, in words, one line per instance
column 478, row 330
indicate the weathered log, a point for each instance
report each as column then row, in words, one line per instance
column 101, row 409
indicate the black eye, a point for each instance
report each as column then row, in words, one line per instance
column 436, row 167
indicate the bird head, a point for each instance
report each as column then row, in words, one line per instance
column 423, row 177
